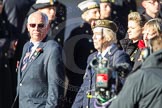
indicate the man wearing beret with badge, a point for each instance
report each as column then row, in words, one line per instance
column 79, row 46
column 104, row 40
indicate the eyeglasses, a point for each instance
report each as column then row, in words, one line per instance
column 38, row 25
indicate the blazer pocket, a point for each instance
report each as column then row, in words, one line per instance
column 37, row 67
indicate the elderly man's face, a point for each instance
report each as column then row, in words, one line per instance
column 105, row 10
column 98, row 39
column 36, row 27
column 50, row 12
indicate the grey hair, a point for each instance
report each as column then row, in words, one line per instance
column 110, row 35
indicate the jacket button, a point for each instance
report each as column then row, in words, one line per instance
column 20, row 84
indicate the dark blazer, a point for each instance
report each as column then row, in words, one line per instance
column 114, row 56
column 40, row 85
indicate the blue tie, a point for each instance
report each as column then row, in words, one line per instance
column 30, row 47
column 26, row 58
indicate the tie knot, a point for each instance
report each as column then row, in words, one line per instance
column 30, row 46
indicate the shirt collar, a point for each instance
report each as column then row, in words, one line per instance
column 35, row 43
column 107, row 50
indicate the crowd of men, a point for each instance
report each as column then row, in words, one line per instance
column 42, row 69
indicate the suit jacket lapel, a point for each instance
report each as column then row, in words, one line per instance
column 24, row 53
column 41, row 45
column 21, row 60
column 109, row 55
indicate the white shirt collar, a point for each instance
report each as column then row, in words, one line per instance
column 36, row 44
column 107, row 50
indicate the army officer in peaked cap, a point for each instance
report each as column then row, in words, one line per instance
column 104, row 40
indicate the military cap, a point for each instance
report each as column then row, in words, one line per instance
column 88, row 4
column 105, row 24
column 106, row 1
column 44, row 3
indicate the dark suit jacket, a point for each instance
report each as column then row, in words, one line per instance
column 40, row 85
column 114, row 56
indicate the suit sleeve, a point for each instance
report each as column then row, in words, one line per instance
column 55, row 71
column 78, row 102
column 79, row 98
column 122, row 57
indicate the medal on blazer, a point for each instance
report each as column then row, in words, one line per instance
column 36, row 54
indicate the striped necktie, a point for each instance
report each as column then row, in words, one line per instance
column 27, row 55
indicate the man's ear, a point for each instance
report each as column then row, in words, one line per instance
column 84, row 16
column 48, row 28
column 27, row 26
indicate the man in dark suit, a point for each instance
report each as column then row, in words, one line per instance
column 105, row 44
column 40, row 71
